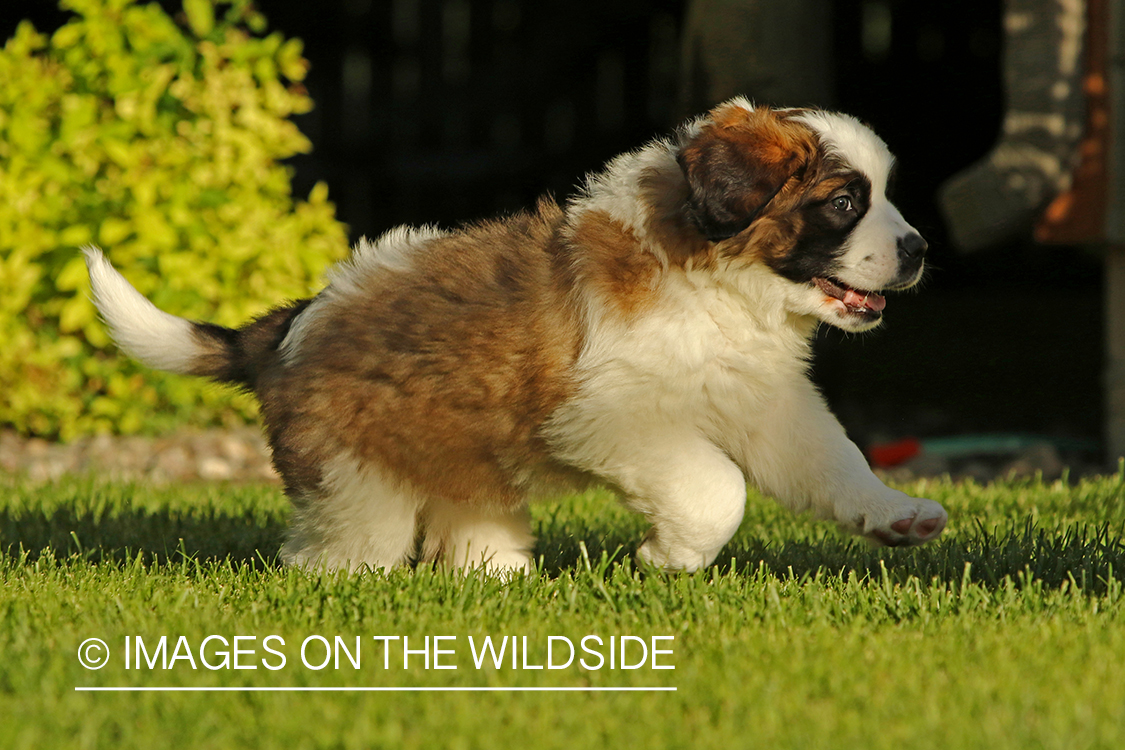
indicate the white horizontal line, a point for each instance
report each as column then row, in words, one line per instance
column 163, row 689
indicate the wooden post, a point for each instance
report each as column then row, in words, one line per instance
column 1092, row 212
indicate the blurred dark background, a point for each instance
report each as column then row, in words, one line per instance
column 443, row 111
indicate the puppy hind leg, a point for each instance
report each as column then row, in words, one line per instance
column 465, row 536
column 358, row 518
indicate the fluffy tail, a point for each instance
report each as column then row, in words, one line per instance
column 166, row 342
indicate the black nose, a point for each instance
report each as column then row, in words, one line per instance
column 912, row 246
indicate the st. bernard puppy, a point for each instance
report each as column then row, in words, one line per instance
column 653, row 335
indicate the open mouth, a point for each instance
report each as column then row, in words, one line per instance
column 853, row 301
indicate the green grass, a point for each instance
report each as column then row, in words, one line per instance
column 1008, row 633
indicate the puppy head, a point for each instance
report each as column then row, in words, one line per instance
column 803, row 192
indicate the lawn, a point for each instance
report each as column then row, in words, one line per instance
column 1008, row 633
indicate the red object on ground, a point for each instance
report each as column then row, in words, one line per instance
column 886, row 455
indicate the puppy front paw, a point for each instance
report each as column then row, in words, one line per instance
column 654, row 551
column 909, row 522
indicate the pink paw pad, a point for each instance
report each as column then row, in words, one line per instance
column 903, row 525
column 929, row 526
column 911, row 530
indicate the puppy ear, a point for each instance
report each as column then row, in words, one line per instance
column 737, row 163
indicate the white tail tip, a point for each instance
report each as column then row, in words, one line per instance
column 150, row 335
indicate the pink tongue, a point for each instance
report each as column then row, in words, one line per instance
column 870, row 300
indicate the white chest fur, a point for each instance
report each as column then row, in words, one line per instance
column 707, row 359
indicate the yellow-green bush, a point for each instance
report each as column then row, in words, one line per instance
column 161, row 143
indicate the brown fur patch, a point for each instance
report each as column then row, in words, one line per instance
column 442, row 373
column 770, row 137
column 611, row 261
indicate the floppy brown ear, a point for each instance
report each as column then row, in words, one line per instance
column 738, row 162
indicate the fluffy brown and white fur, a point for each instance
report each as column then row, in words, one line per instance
column 653, row 334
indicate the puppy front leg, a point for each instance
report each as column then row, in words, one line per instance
column 693, row 495
column 800, row 455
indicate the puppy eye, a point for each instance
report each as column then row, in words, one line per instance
column 842, row 203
